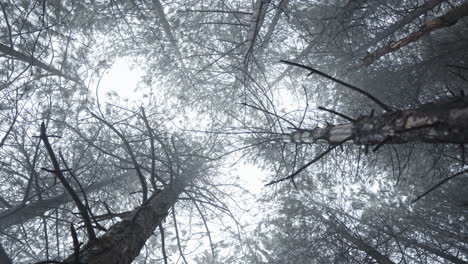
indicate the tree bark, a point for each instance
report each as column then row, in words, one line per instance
column 440, row 122
column 123, row 241
column 449, row 19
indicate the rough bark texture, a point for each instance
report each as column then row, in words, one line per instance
column 449, row 19
column 124, row 240
column 440, row 122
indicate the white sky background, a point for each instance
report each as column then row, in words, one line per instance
column 122, row 78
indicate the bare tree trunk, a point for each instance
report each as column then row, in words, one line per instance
column 9, row 51
column 271, row 28
column 4, row 258
column 123, row 241
column 166, row 27
column 356, row 241
column 258, row 19
column 24, row 212
column 435, row 251
column 449, row 19
column 417, row 12
column 440, row 122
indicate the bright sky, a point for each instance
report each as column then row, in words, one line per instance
column 121, row 79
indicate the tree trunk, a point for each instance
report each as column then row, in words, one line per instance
column 435, row 251
column 9, row 51
column 449, row 19
column 123, row 241
column 4, row 258
column 356, row 241
column 418, row 11
column 440, row 122
column 24, row 212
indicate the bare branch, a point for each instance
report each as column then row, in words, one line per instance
column 352, row 87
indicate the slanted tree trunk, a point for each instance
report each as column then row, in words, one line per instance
column 356, row 241
column 417, row 12
column 435, row 251
column 4, row 258
column 24, row 212
column 14, row 54
column 440, row 122
column 449, row 19
column 124, row 240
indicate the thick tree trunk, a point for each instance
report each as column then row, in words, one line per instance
column 123, row 241
column 440, row 122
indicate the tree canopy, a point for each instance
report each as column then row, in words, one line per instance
column 353, row 115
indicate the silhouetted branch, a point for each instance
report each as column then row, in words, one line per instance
column 58, row 172
column 163, row 243
column 142, row 179
column 309, row 163
column 439, row 184
column 337, row 113
column 446, row 20
column 352, row 87
column 270, row 113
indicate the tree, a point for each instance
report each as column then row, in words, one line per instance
column 102, row 177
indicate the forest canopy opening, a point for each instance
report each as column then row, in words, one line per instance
column 212, row 131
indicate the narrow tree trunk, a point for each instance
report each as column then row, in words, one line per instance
column 258, row 19
column 449, row 19
column 9, row 51
column 166, row 27
column 435, row 251
column 357, row 242
column 440, row 122
column 417, row 12
column 4, row 258
column 124, row 240
column 24, row 212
